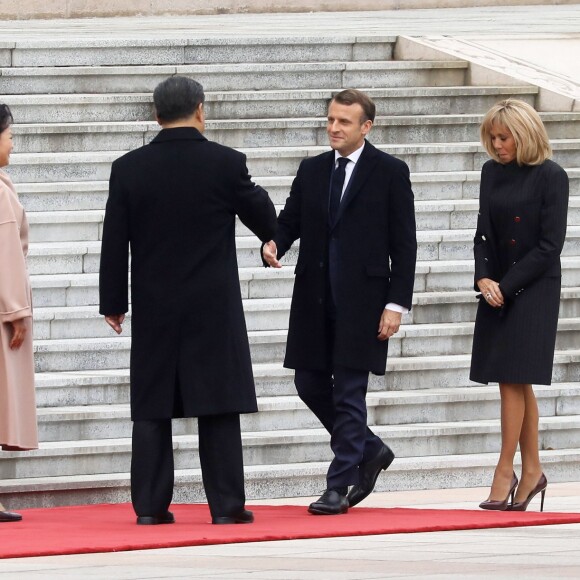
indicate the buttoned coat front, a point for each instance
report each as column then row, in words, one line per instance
column 175, row 202
column 371, row 251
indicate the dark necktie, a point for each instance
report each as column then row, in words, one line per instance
column 336, row 185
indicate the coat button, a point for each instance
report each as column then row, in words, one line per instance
column 517, row 219
column 320, row 301
column 321, row 264
column 512, row 242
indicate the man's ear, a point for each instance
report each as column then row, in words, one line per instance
column 366, row 127
column 199, row 112
column 158, row 120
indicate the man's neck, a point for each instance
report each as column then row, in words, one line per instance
column 193, row 122
column 176, row 124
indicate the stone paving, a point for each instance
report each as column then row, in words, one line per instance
column 544, row 37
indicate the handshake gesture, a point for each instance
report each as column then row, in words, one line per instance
column 270, row 254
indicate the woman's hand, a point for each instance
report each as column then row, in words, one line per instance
column 491, row 292
column 18, row 333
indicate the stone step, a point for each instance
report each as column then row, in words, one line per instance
column 233, row 77
column 271, row 161
column 448, row 371
column 86, row 225
column 268, row 333
column 83, row 257
column 177, row 51
column 269, row 314
column 458, row 244
column 443, row 403
column 94, row 454
column 267, row 104
column 82, row 388
column 284, row 480
column 82, row 226
column 445, row 275
column 78, row 257
column 450, row 307
column 89, row 354
column 429, row 215
column 431, row 245
column 439, row 279
column 66, row 226
column 89, row 195
column 250, row 133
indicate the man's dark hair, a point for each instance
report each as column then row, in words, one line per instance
column 352, row 96
column 177, row 98
column 5, row 117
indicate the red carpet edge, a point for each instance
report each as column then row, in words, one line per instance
column 111, row 527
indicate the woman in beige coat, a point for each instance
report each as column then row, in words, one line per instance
column 18, row 430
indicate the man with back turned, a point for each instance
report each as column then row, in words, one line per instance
column 352, row 209
column 174, row 202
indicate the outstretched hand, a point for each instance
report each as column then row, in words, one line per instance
column 270, row 254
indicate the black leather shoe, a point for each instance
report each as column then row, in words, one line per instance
column 166, row 518
column 244, row 517
column 331, row 503
column 9, row 517
column 368, row 474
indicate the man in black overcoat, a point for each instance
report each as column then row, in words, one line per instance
column 174, row 203
column 352, row 209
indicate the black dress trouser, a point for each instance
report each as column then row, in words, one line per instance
column 337, row 396
column 220, row 455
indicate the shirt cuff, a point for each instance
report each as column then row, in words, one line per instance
column 396, row 308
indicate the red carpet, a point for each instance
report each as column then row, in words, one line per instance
column 111, row 528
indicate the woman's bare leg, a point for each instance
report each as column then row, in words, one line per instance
column 529, row 446
column 513, row 407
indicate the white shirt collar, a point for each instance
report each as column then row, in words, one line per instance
column 354, row 156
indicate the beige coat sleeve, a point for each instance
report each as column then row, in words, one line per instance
column 15, row 300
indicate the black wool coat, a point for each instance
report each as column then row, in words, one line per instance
column 521, row 229
column 374, row 246
column 174, row 203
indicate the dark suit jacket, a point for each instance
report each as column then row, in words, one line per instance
column 373, row 249
column 175, row 202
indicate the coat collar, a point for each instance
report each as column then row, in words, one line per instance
column 178, row 134
column 362, row 170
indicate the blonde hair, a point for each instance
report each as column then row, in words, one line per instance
column 532, row 142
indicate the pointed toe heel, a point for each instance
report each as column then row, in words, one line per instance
column 522, row 506
column 501, row 505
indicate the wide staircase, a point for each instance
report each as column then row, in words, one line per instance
column 81, row 105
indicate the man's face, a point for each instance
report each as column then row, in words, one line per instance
column 345, row 127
